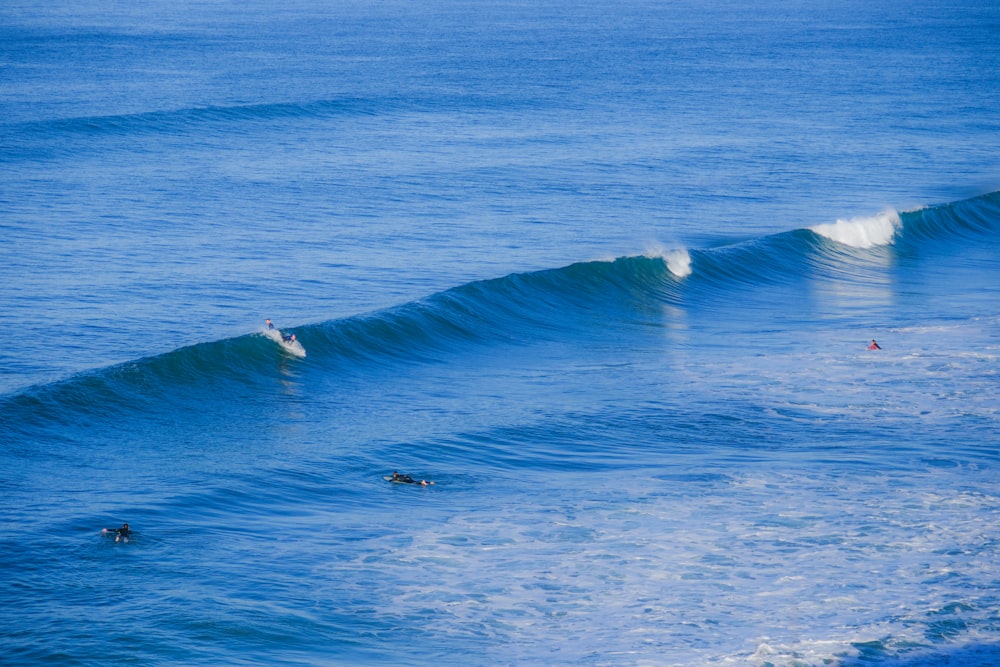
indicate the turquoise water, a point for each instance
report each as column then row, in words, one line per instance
column 605, row 275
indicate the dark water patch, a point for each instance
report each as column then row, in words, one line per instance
column 908, row 654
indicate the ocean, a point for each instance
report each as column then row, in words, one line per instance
column 607, row 274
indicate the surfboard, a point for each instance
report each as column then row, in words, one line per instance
column 293, row 347
column 389, row 478
column 108, row 532
column 415, row 482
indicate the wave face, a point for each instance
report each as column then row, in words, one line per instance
column 973, row 219
column 523, row 309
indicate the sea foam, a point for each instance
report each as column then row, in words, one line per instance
column 677, row 260
column 864, row 232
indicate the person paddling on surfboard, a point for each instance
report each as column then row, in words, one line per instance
column 874, row 345
column 288, row 339
column 406, row 479
column 121, row 534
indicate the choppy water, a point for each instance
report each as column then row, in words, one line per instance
column 607, row 275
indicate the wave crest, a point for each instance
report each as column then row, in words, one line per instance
column 866, row 232
column 678, row 260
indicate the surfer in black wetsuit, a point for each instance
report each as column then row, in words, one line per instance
column 288, row 339
column 121, row 534
column 270, row 325
column 406, row 479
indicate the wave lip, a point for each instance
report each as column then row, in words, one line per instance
column 864, row 232
column 677, row 260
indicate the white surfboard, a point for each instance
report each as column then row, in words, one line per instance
column 293, row 347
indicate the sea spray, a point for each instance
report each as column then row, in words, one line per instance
column 863, row 232
column 678, row 260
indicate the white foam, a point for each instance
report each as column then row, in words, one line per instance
column 677, row 260
column 704, row 573
column 863, row 232
column 816, row 652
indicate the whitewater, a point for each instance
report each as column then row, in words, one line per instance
column 607, row 276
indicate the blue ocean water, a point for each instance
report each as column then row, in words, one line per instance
column 606, row 274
